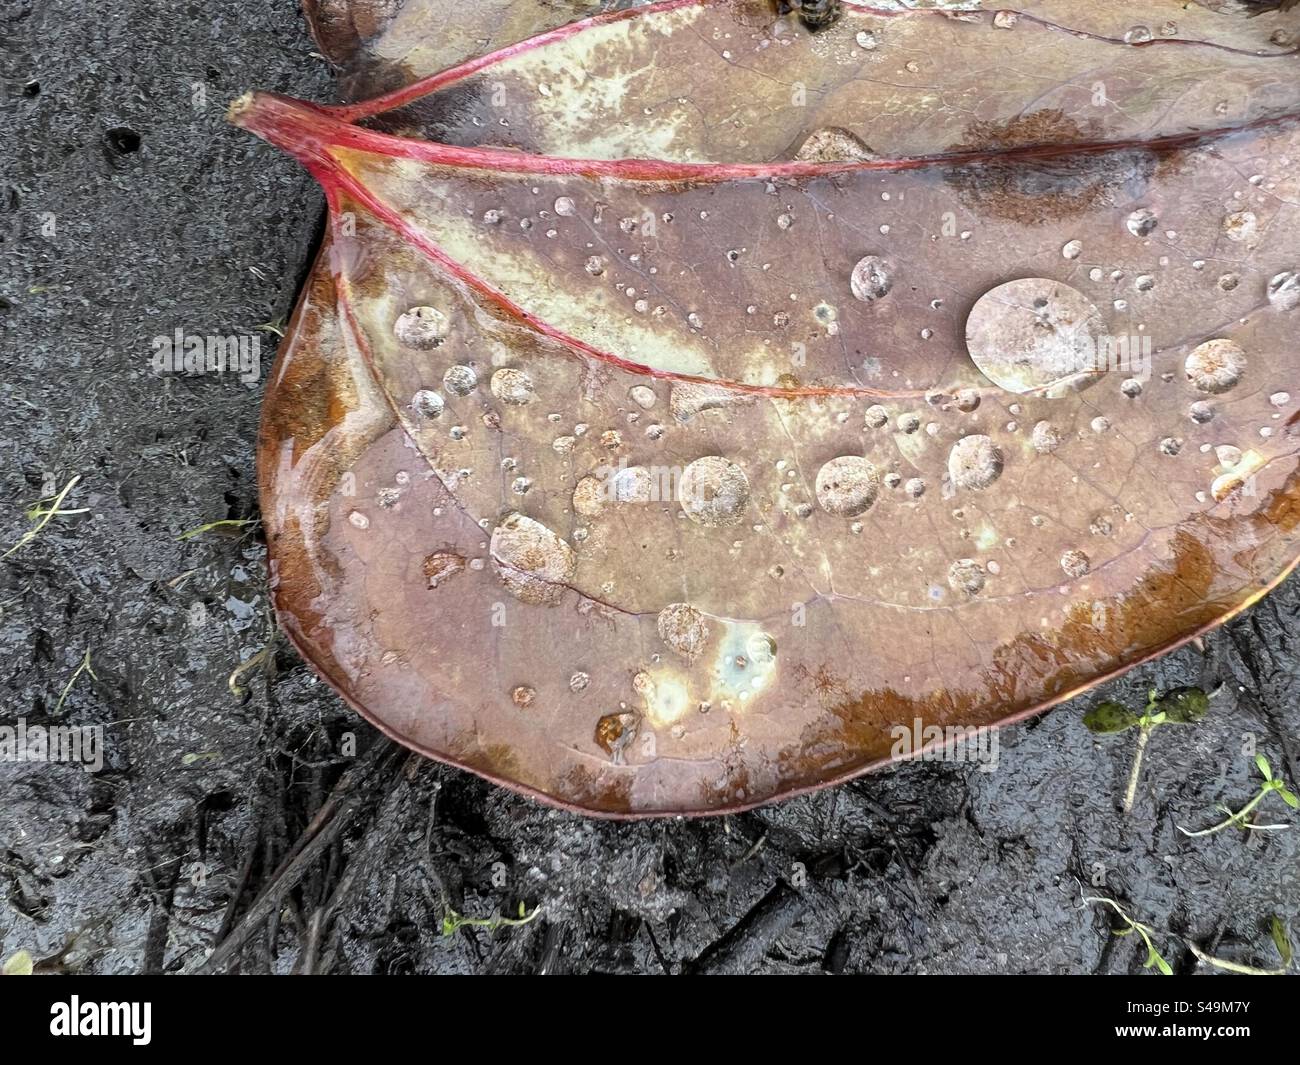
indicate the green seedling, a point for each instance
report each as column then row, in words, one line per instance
column 1178, row 706
column 1238, row 819
column 224, row 525
column 235, row 682
column 453, row 922
column 85, row 667
column 1156, row 961
column 42, row 512
column 1154, row 958
column 275, row 327
column 19, row 965
column 1280, row 940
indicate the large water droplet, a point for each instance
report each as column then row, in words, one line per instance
column 684, row 629
column 974, row 462
column 1215, row 366
column 833, row 145
column 512, row 386
column 421, row 328
column 460, row 380
column 533, row 562
column 847, row 486
column 1035, row 335
column 714, row 491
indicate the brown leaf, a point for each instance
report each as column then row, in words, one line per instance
column 692, row 410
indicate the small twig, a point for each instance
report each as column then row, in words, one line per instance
column 325, row 827
column 1135, row 774
column 85, row 667
column 1232, row 966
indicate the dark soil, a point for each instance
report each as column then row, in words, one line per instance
column 164, row 218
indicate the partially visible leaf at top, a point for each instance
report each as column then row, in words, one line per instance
column 686, row 402
column 1184, row 706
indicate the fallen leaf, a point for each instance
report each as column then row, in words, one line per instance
column 690, row 410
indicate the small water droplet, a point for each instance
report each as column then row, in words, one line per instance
column 974, row 462
column 359, row 520
column 1045, row 438
column 1240, row 225
column 1142, row 222
column 871, row 279
column 1072, row 249
column 427, row 403
column 564, row 207
column 966, row 576
column 1075, row 563
column 642, row 396
column 1284, row 291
